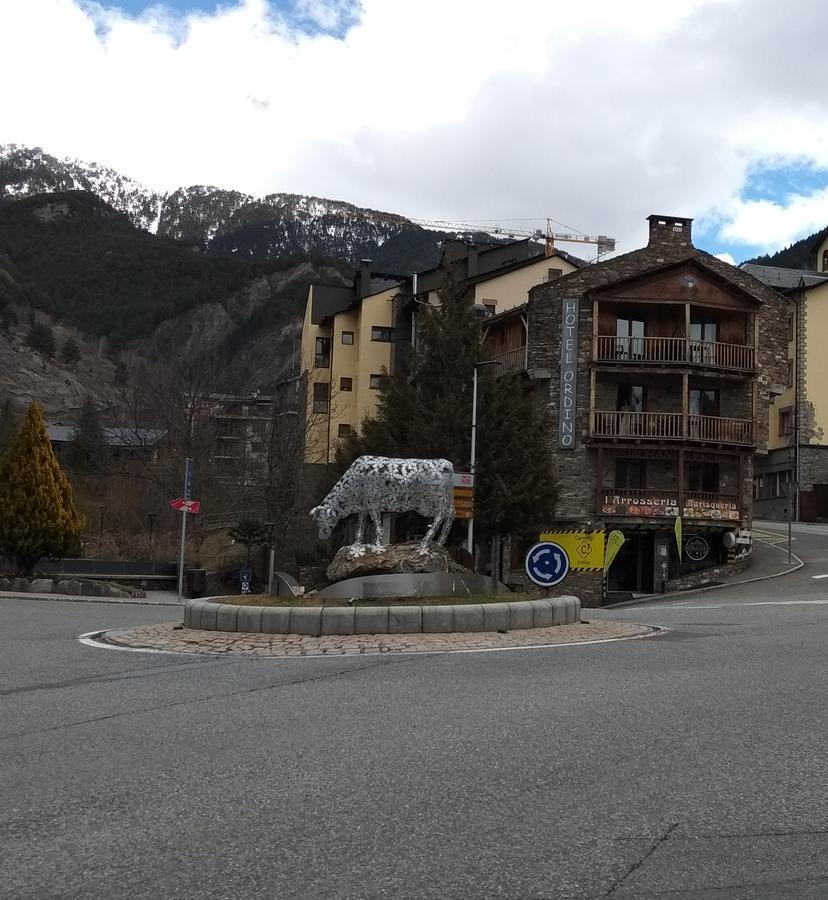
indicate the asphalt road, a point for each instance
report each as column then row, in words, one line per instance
column 691, row 765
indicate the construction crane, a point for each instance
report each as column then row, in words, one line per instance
column 605, row 244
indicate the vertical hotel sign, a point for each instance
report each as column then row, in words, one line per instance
column 569, row 373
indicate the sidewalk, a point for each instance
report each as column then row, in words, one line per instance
column 153, row 598
column 769, row 561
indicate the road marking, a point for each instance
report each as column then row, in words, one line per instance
column 729, row 605
column 819, row 576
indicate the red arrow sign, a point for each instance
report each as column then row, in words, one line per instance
column 190, row 506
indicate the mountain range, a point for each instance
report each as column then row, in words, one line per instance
column 220, row 221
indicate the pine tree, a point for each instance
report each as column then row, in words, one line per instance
column 41, row 339
column 88, row 451
column 249, row 533
column 425, row 411
column 38, row 516
column 70, row 352
column 9, row 424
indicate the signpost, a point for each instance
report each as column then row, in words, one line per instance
column 547, row 564
column 463, row 495
column 185, row 504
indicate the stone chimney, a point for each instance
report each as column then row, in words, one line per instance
column 670, row 231
column 364, row 281
column 471, row 260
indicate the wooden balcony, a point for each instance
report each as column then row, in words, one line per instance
column 673, row 351
column 510, row 362
column 668, row 426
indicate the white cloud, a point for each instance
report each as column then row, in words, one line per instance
column 771, row 225
column 596, row 114
column 726, row 257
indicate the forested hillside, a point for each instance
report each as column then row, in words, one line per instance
column 73, row 256
column 799, row 255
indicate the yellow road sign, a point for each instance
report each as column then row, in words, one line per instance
column 585, row 549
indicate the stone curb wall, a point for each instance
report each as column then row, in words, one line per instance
column 71, row 587
column 317, row 620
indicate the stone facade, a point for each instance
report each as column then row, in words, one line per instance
column 691, row 279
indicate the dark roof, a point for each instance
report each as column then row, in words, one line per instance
column 784, row 279
column 328, row 300
column 116, row 436
column 657, row 257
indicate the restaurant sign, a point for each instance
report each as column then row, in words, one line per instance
column 711, row 509
column 639, row 505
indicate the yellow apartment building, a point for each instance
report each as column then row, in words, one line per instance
column 350, row 335
column 797, row 451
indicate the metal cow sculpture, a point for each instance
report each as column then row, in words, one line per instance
column 377, row 484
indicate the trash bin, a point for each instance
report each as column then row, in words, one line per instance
column 196, row 582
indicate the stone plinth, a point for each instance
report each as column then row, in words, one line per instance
column 398, row 559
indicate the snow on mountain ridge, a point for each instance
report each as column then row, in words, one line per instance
column 213, row 218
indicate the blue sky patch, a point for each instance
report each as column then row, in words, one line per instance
column 775, row 184
column 293, row 12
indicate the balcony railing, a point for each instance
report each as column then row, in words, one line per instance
column 510, row 362
column 662, row 426
column 638, row 424
column 673, row 351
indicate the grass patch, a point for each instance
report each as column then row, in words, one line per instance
column 315, row 600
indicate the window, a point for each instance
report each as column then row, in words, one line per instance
column 631, row 473
column 758, row 486
column 631, row 397
column 786, row 422
column 380, row 333
column 374, row 382
column 629, row 332
column 347, row 337
column 320, row 397
column 343, row 431
column 491, row 307
column 704, row 330
column 791, row 321
column 790, row 373
column 346, row 384
column 704, row 402
column 322, row 355
column 703, row 476
column 553, row 274
column 825, row 260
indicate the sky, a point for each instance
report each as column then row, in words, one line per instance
column 594, row 114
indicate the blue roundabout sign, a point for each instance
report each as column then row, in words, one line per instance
column 547, row 563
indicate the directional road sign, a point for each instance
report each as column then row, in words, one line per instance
column 190, row 506
column 547, row 563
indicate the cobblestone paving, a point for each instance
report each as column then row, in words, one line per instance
column 174, row 638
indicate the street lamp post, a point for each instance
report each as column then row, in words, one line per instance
column 271, row 556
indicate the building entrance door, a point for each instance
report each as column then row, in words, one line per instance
column 631, row 571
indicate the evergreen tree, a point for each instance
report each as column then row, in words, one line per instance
column 70, row 352
column 41, row 339
column 249, row 533
column 88, row 451
column 425, row 410
column 38, row 516
column 8, row 424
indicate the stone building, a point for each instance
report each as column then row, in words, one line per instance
column 654, row 370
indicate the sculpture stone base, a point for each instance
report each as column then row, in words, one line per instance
column 394, row 560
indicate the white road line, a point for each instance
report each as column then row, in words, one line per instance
column 730, row 605
column 819, row 576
